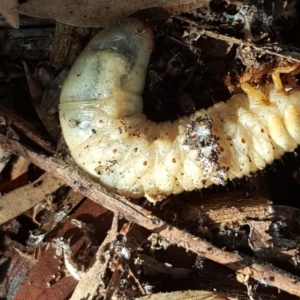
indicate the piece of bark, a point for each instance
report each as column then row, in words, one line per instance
column 242, row 263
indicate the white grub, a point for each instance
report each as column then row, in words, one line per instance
column 101, row 115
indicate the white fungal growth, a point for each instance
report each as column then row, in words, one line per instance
column 101, row 115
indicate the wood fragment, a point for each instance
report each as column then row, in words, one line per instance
column 261, row 271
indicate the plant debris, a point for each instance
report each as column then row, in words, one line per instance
column 64, row 236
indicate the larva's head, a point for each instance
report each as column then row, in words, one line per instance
column 134, row 40
column 130, row 37
column 115, row 59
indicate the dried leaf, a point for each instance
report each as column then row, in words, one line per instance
column 24, row 198
column 185, row 295
column 7, row 11
column 98, row 13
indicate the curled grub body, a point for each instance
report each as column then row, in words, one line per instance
column 101, row 115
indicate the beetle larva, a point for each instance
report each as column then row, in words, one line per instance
column 101, row 115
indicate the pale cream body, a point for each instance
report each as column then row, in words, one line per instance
column 101, row 115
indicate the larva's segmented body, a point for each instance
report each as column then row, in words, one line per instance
column 101, row 115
